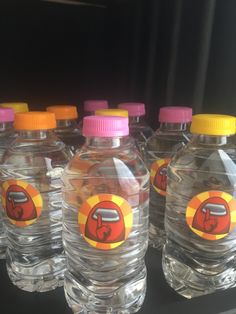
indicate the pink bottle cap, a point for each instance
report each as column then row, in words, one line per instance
column 105, row 126
column 135, row 109
column 6, row 115
column 93, row 105
column 176, row 114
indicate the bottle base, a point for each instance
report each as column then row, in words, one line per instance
column 157, row 238
column 125, row 300
column 191, row 283
column 38, row 278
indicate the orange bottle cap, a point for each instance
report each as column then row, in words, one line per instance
column 63, row 112
column 35, row 120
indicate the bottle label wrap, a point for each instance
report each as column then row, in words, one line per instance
column 158, row 175
column 105, row 221
column 211, row 214
column 22, row 202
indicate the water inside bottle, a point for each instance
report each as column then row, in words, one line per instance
column 192, row 264
column 35, row 258
column 111, row 280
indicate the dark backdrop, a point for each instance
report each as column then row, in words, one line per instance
column 161, row 52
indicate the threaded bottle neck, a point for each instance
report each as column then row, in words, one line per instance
column 181, row 127
column 202, row 139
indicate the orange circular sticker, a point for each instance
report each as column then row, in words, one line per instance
column 105, row 221
column 158, row 175
column 22, row 202
column 212, row 214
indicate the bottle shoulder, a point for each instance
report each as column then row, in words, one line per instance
column 205, row 158
column 161, row 135
column 22, row 152
column 110, row 162
column 163, row 142
column 6, row 139
column 141, row 127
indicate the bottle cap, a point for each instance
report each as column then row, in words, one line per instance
column 101, row 126
column 93, row 105
column 35, row 120
column 112, row 112
column 63, row 112
column 16, row 106
column 213, row 124
column 178, row 114
column 6, row 115
column 135, row 109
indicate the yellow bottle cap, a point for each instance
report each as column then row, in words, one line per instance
column 35, row 120
column 112, row 112
column 17, row 107
column 213, row 124
column 64, row 112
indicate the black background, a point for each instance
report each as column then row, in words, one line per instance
column 161, row 52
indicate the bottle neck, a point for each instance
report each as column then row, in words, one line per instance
column 135, row 120
column 164, row 126
column 67, row 124
column 106, row 142
column 36, row 134
column 89, row 113
column 6, row 126
column 212, row 139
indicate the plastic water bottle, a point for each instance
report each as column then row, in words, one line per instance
column 17, row 107
column 6, row 137
column 139, row 129
column 160, row 147
column 199, row 254
column 105, row 221
column 67, row 127
column 32, row 201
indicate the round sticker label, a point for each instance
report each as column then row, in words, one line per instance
column 158, row 175
column 105, row 221
column 212, row 214
column 22, row 202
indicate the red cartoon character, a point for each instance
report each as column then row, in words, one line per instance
column 105, row 223
column 19, row 205
column 160, row 180
column 212, row 216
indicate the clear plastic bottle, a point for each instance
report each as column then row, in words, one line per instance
column 105, row 221
column 139, row 129
column 199, row 254
column 17, row 107
column 6, row 137
column 160, row 147
column 67, row 126
column 32, row 201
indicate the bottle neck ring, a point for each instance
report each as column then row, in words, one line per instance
column 166, row 126
column 35, row 134
column 106, row 142
column 212, row 139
